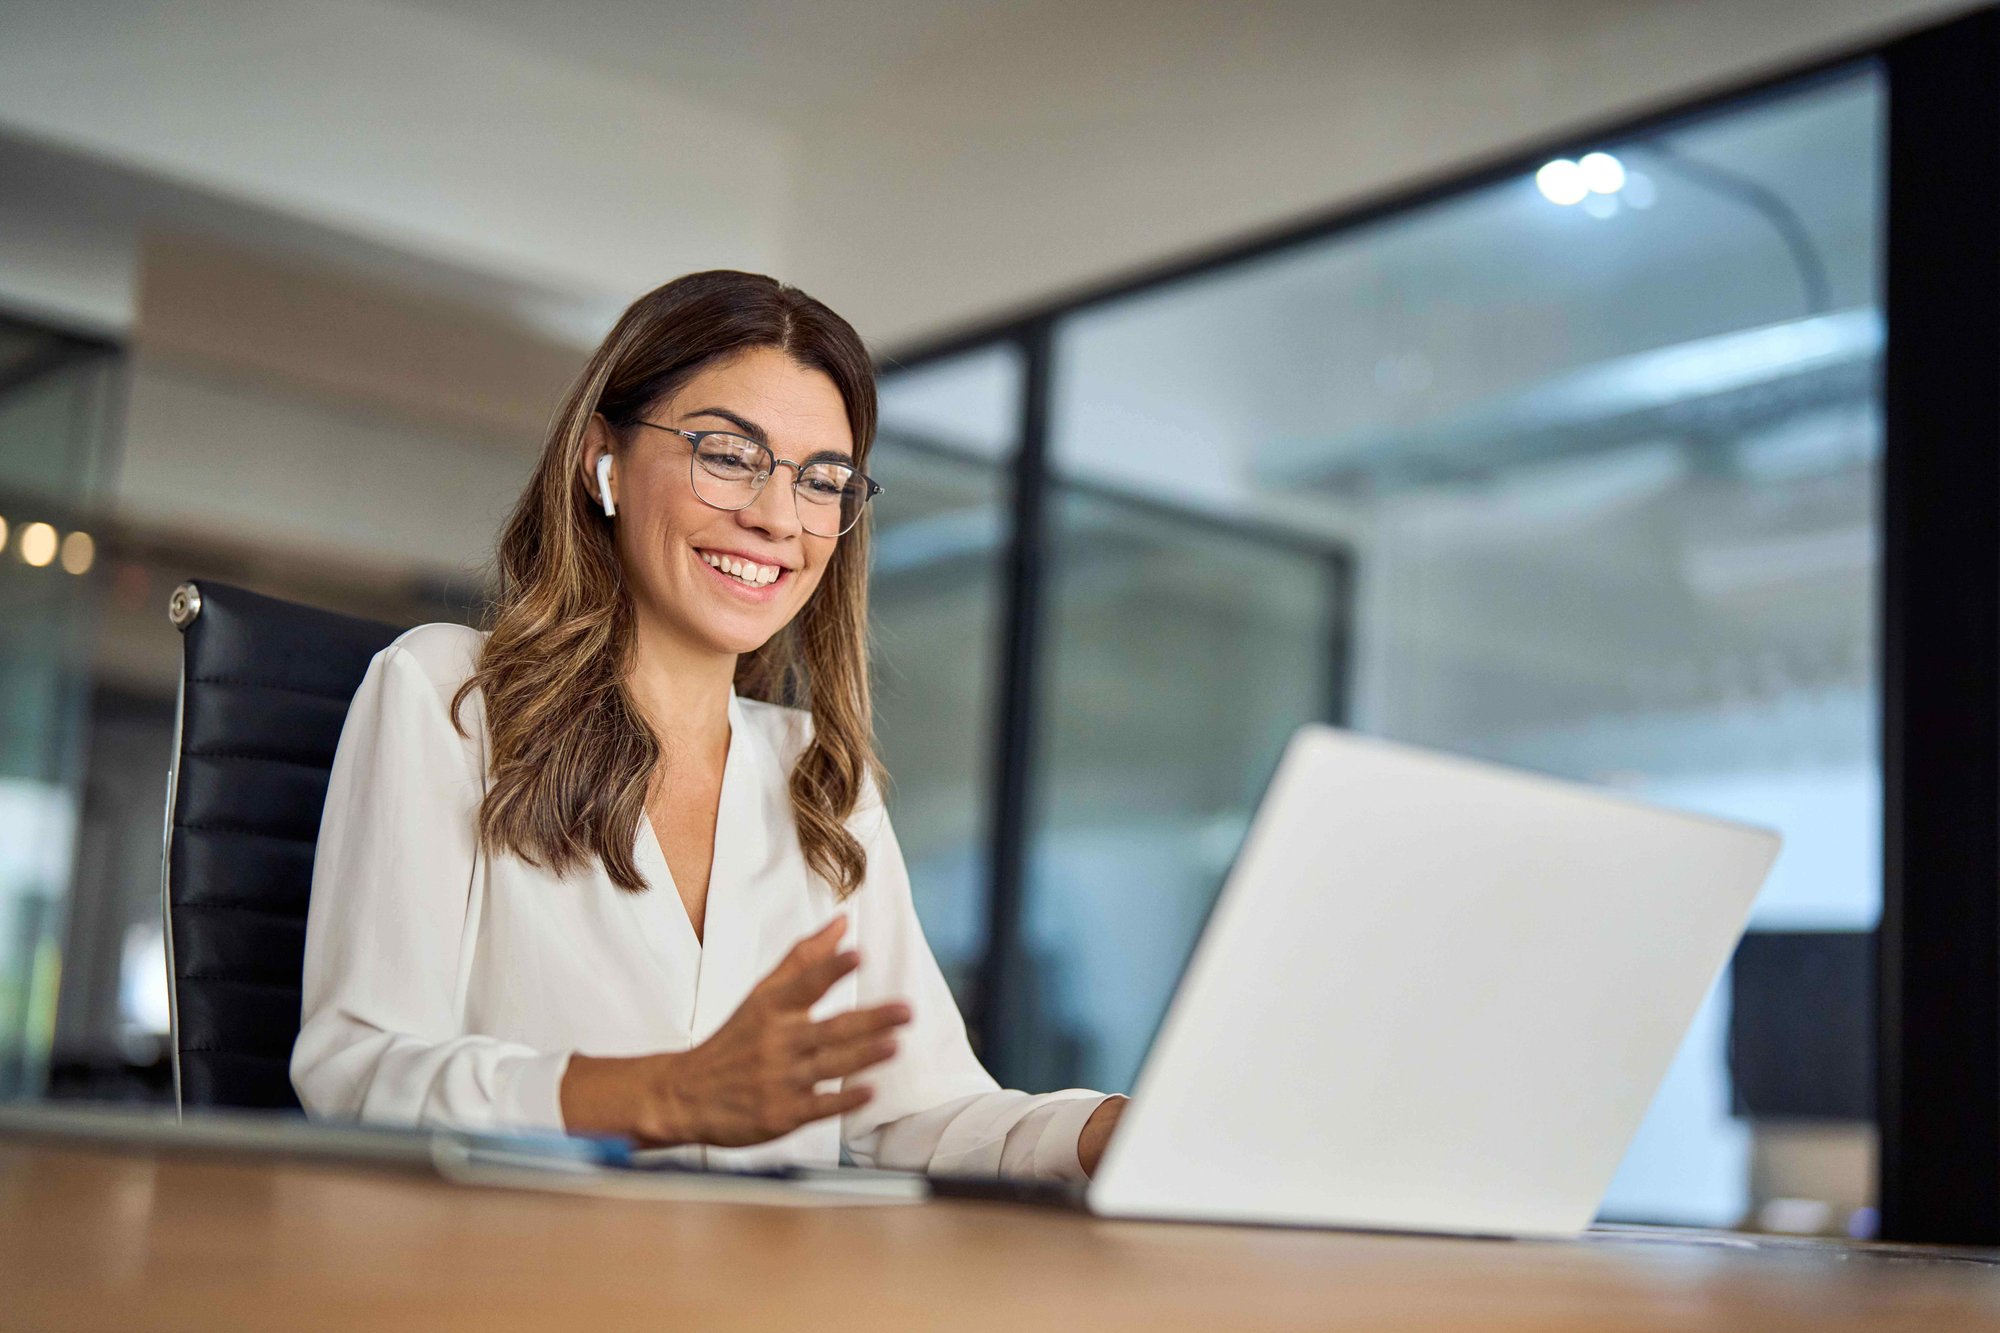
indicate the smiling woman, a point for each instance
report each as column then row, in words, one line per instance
column 673, row 696
column 598, row 599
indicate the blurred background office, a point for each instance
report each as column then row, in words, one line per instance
column 1574, row 467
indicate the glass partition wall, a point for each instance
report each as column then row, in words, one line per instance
column 57, row 394
column 947, row 437
column 1577, row 470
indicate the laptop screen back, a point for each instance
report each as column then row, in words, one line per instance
column 1434, row 995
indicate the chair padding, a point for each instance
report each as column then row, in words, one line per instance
column 265, row 689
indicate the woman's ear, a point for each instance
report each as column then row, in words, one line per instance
column 598, row 465
column 604, row 492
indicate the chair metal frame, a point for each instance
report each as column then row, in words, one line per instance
column 183, row 609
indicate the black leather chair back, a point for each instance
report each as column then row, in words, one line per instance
column 265, row 687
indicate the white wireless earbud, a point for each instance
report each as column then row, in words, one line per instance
column 604, row 487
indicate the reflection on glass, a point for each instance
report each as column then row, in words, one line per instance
column 1180, row 655
column 935, row 592
column 1604, row 446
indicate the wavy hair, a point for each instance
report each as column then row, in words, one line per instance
column 570, row 755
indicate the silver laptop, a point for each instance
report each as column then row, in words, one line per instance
column 1434, row 995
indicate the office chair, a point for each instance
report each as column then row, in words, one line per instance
column 265, row 686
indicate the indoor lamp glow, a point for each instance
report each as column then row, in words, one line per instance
column 78, row 551
column 1562, row 182
column 1569, row 182
column 38, row 544
column 1602, row 173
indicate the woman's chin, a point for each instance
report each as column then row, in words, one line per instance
column 720, row 630
column 744, row 647
column 738, row 638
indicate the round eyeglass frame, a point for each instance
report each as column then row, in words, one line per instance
column 694, row 439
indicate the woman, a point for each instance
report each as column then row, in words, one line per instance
column 562, row 867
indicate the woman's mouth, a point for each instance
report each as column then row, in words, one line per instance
column 746, row 574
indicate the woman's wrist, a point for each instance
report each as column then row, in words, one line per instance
column 1096, row 1134
column 634, row 1097
column 665, row 1115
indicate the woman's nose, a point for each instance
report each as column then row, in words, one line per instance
column 775, row 510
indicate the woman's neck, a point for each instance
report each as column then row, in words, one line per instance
column 683, row 693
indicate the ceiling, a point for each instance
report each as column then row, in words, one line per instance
column 791, row 63
column 776, row 60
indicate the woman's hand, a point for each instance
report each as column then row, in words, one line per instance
column 756, row 1078
column 1096, row 1134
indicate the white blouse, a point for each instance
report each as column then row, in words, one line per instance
column 444, row 985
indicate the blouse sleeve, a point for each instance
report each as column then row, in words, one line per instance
column 387, row 931
column 935, row 1107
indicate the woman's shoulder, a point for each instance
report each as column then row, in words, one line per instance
column 403, row 710
column 444, row 654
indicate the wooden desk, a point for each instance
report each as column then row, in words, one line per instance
column 99, row 1241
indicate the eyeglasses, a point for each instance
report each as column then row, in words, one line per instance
column 729, row 470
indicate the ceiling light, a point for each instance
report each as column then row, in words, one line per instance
column 1562, row 182
column 1602, row 173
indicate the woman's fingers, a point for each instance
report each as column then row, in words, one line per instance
column 826, row 938
column 823, row 1104
column 848, row 1058
column 819, row 945
column 807, row 959
column 856, row 1024
column 802, row 989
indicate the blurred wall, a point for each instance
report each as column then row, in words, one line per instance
column 333, row 429
column 402, row 129
column 311, row 409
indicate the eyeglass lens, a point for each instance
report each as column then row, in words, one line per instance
column 730, row 469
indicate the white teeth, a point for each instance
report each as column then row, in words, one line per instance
column 746, row 571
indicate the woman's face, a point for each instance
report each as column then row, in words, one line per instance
column 669, row 539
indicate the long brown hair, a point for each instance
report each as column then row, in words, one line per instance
column 570, row 755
